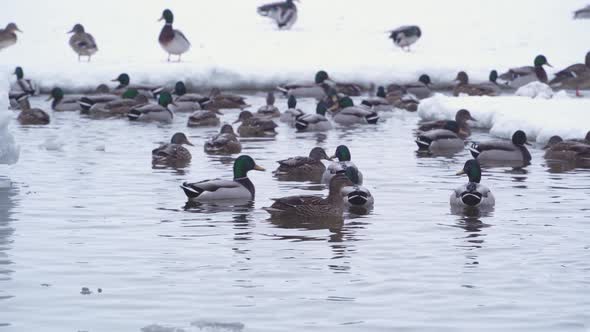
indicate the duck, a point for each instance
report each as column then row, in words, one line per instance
column 463, row 87
column 23, row 84
column 493, row 85
column 461, row 118
column 240, row 188
column 283, row 13
column 8, row 35
column 379, row 102
column 406, row 101
column 173, row 152
column 314, row 122
column 60, row 103
column 102, row 95
column 344, row 161
column 420, row 89
column 292, row 113
column 356, row 197
column 309, row 207
column 226, row 142
column 473, row 194
column 576, row 76
column 253, row 126
column 82, row 42
column 570, row 150
column 520, row 76
column 187, row 102
column 220, row 100
column 203, row 118
column 405, row 36
column 270, row 109
column 113, row 108
column 172, row 41
column 350, row 114
column 310, row 167
column 30, row 116
column 125, row 83
column 316, row 90
column 503, row 152
column 442, row 140
column 160, row 112
column 582, row 13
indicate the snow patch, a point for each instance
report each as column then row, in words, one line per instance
column 535, row 90
column 9, row 151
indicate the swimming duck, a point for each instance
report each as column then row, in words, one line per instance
column 61, row 103
column 8, row 35
column 172, row 41
column 503, row 152
column 125, row 83
column 582, row 13
column 461, row 118
column 310, row 167
column 576, row 76
column 28, row 115
column 350, row 114
column 570, row 150
column 520, row 76
column 463, row 87
column 270, row 109
column 153, row 112
column 226, row 142
column 314, row 90
column 407, row 101
column 203, row 119
column 419, row 89
column 493, row 85
column 344, row 161
column 283, row 13
column 307, row 206
column 356, row 196
column 292, row 113
column 114, row 108
column 405, row 36
column 82, row 42
column 314, row 122
column 173, row 152
column 443, row 140
column 379, row 103
column 472, row 194
column 187, row 102
column 220, row 100
column 253, row 126
column 240, row 188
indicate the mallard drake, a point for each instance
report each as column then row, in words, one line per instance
column 350, row 114
column 419, row 89
column 23, row 84
column 407, row 101
column 114, row 108
column 463, row 87
column 240, row 188
column 172, row 41
column 576, row 76
column 582, row 13
column 82, row 42
column 520, row 76
column 28, row 115
column 314, row 122
column 187, row 102
column 344, row 161
column 253, row 126
column 153, row 112
column 173, row 152
column 283, row 13
column 461, row 118
column 356, row 196
column 125, row 83
column 8, row 35
column 61, row 103
column 203, row 119
column 310, row 90
column 226, row 142
column 220, row 100
column 444, row 140
column 101, row 96
column 571, row 150
column 492, row 84
column 379, row 103
column 307, row 168
column 503, row 152
column 405, row 36
column 292, row 113
column 307, row 206
column 270, row 109
column 472, row 194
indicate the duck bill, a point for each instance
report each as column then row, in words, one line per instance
column 114, row 80
column 332, row 157
column 161, row 19
column 71, row 31
column 527, row 143
column 259, row 168
column 189, row 143
column 548, row 64
column 19, row 30
column 461, row 172
column 49, row 98
column 237, row 121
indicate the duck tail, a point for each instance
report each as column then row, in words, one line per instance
column 372, row 118
column 423, row 142
column 85, row 103
column 357, row 197
column 474, row 149
column 155, row 92
column 282, row 90
column 190, row 191
column 300, row 124
column 133, row 114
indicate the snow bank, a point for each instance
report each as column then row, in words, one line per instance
column 539, row 118
column 9, row 151
column 234, row 47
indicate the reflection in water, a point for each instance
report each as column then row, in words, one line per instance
column 7, row 203
column 562, row 166
column 470, row 221
column 239, row 206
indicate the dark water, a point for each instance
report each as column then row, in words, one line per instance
column 86, row 209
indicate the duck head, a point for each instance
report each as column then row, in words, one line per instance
column 462, row 78
column 57, row 94
column 130, row 94
column 167, row 16
column 425, row 79
column 338, row 182
column 318, row 153
column 587, row 138
column 352, row 173
column 321, row 108
column 493, row 76
column 291, row 102
column 243, row 165
column 552, row 141
column 345, row 102
column 165, row 99
column 321, row 76
column 11, row 27
column 19, row 73
column 179, row 88
column 381, row 92
column 519, row 138
column 472, row 169
column 244, row 116
column 463, row 115
column 342, row 153
column 541, row 60
column 123, row 80
column 180, row 138
column 78, row 28
column 227, row 129
column 270, row 98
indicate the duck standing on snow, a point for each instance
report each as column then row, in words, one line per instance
column 582, row 13
column 303, row 168
column 270, row 109
column 172, row 41
column 520, row 76
column 284, row 13
column 405, row 36
column 576, row 76
column 226, row 142
column 463, row 87
column 173, row 153
column 240, row 188
column 501, row 153
column 28, row 115
column 344, row 161
column 160, row 112
column 8, row 35
column 314, row 122
column 82, row 42
column 473, row 194
column 461, row 118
